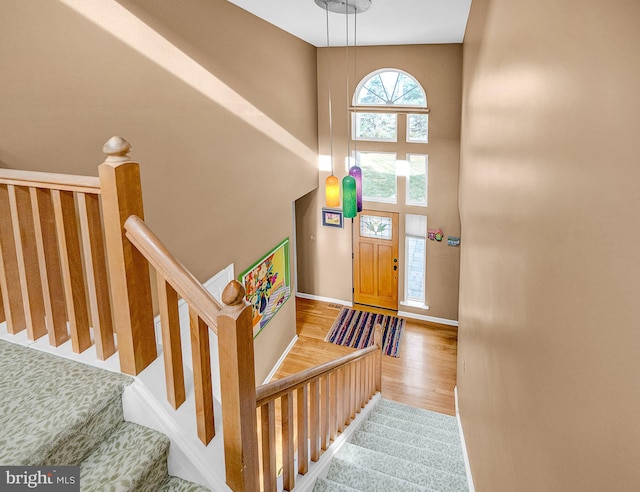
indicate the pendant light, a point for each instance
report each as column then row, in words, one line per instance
column 349, row 199
column 331, row 184
column 355, row 171
column 352, row 183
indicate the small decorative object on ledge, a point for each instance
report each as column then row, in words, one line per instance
column 332, row 218
column 435, row 234
column 453, row 241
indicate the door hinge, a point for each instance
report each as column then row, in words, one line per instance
column 352, row 256
column 353, row 290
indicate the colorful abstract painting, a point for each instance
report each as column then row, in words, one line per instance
column 268, row 285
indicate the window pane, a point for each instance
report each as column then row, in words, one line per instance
column 376, row 227
column 408, row 92
column 415, row 268
column 418, row 128
column 415, row 249
column 417, row 179
column 378, row 176
column 376, row 126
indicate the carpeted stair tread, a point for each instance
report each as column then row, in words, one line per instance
column 448, row 451
column 432, row 433
column 366, row 479
column 440, row 425
column 36, row 389
column 418, row 415
column 430, row 478
column 177, row 484
column 427, row 417
column 325, row 485
column 407, row 452
column 132, row 458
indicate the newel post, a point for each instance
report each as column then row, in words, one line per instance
column 238, row 390
column 377, row 339
column 128, row 270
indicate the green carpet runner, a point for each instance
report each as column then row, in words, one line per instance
column 54, row 411
column 398, row 447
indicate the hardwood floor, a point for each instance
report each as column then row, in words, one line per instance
column 423, row 376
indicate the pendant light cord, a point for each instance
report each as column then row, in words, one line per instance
column 346, row 15
column 329, row 83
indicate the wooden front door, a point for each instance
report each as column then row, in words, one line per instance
column 375, row 259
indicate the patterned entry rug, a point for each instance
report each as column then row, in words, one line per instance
column 354, row 328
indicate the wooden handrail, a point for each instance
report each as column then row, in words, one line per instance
column 64, row 182
column 181, row 279
column 275, row 389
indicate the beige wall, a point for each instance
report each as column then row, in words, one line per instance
column 549, row 363
column 324, row 253
column 221, row 165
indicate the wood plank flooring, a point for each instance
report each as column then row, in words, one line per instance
column 423, row 376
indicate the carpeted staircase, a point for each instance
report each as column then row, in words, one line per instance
column 401, row 448
column 54, row 412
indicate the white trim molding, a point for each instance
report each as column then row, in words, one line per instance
column 467, row 466
column 324, row 299
column 281, row 359
column 432, row 319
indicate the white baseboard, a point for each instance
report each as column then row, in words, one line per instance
column 324, row 299
column 432, row 319
column 467, row 466
column 281, row 359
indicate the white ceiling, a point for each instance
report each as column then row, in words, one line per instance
column 387, row 22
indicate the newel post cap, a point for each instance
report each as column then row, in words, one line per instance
column 117, row 150
column 233, row 296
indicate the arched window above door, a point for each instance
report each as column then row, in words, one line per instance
column 390, row 87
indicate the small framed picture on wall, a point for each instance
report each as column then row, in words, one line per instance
column 332, row 218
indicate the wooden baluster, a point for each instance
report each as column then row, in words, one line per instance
column 202, row 377
column 346, row 409
column 238, row 387
column 333, row 405
column 27, row 255
column 9, row 274
column 288, row 468
column 96, row 268
column 354, row 390
column 359, row 385
column 377, row 337
column 268, row 435
column 171, row 344
column 128, row 269
column 72, row 275
column 49, row 261
column 2, row 316
column 340, row 395
column 303, row 430
column 325, row 431
column 368, row 392
column 314, row 419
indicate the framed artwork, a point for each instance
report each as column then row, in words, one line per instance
column 268, row 285
column 332, row 218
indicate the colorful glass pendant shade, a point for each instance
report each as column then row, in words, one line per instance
column 332, row 191
column 349, row 199
column 356, row 172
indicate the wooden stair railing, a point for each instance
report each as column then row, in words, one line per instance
column 319, row 402
column 54, row 245
column 233, row 325
column 64, row 240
